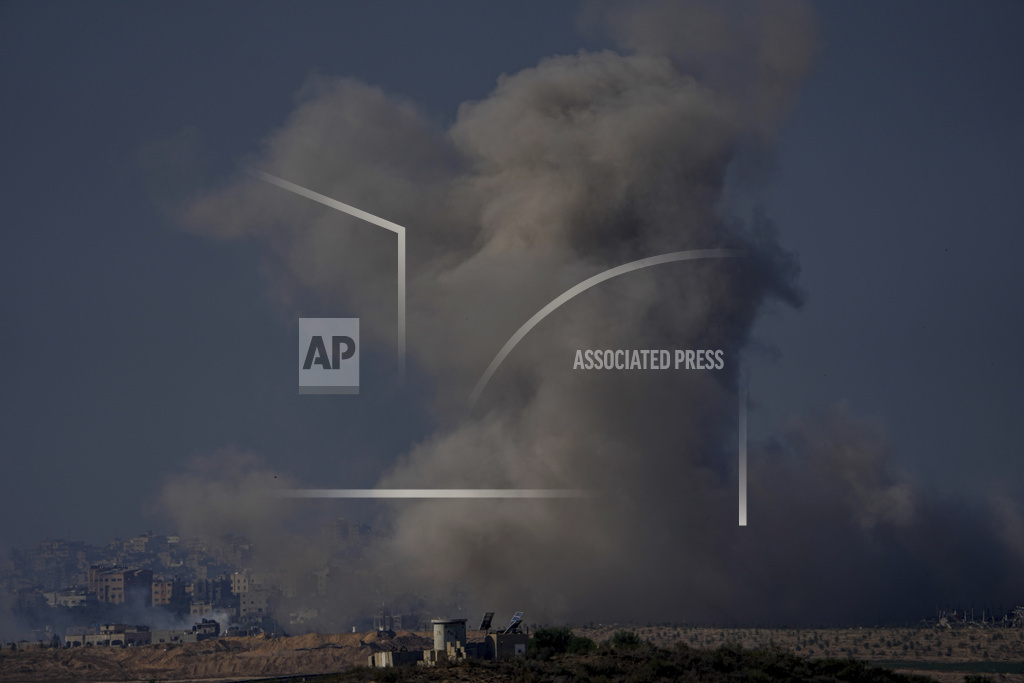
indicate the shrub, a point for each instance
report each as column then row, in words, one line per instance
column 553, row 640
column 581, row 646
column 625, row 640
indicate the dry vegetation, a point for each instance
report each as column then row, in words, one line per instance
column 947, row 655
column 877, row 644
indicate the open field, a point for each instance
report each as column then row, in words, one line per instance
column 946, row 655
column 941, row 645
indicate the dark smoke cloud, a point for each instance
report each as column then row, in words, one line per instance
column 843, row 535
column 579, row 164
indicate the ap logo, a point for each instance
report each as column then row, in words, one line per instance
column 328, row 355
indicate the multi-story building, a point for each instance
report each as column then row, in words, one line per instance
column 255, row 592
column 200, row 609
column 254, row 604
column 139, row 544
column 169, row 592
column 116, row 585
column 247, row 580
column 216, row 591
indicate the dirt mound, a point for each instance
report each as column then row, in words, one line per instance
column 222, row 659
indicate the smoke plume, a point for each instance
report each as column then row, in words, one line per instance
column 579, row 164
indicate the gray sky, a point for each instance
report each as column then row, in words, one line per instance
column 132, row 346
column 895, row 185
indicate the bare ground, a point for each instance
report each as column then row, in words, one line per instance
column 221, row 659
column 941, row 654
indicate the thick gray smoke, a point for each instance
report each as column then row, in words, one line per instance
column 579, row 164
column 231, row 496
column 231, row 492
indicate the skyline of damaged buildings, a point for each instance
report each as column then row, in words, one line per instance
column 153, row 582
column 166, row 580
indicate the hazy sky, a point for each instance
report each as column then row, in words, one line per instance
column 131, row 345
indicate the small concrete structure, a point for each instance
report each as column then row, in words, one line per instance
column 109, row 635
column 173, row 636
column 395, row 658
column 451, row 646
column 449, row 632
column 505, row 645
